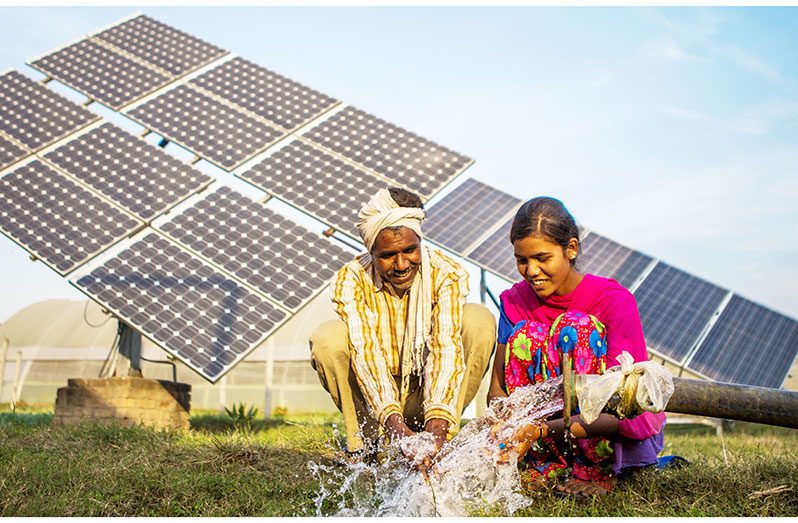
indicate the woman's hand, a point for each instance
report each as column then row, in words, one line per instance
column 521, row 441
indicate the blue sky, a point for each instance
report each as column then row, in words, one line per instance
column 671, row 130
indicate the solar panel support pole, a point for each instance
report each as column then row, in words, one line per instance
column 163, row 143
column 130, row 347
column 483, row 286
column 3, row 366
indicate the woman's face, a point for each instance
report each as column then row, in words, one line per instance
column 546, row 266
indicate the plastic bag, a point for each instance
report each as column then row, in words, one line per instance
column 626, row 390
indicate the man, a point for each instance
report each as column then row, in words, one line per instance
column 407, row 354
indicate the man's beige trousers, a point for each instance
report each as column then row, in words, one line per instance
column 329, row 346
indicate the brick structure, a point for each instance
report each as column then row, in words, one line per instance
column 125, row 400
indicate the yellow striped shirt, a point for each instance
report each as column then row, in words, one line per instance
column 375, row 319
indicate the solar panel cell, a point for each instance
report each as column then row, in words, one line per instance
column 265, row 93
column 495, row 253
column 316, row 182
column 264, row 249
column 749, row 344
column 101, row 73
column 35, row 116
column 401, row 156
column 137, row 175
column 466, row 214
column 10, row 152
column 57, row 220
column 604, row 257
column 204, row 318
column 213, row 130
column 167, row 48
column 675, row 308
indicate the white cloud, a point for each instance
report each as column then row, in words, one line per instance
column 667, row 49
column 686, row 114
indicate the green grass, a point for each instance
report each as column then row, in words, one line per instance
column 215, row 470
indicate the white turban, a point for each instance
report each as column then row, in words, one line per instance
column 381, row 212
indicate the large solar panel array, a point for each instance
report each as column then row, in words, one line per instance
column 204, row 317
column 141, row 178
column 276, row 256
column 326, row 187
column 495, row 253
column 675, row 307
column 420, row 165
column 466, row 214
column 604, row 257
column 101, row 73
column 748, row 344
column 34, row 116
column 56, row 219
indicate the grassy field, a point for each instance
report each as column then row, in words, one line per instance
column 218, row 470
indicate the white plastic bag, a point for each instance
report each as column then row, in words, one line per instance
column 626, row 390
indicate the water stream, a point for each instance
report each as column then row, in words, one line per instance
column 465, row 477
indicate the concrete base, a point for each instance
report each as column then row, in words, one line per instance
column 128, row 401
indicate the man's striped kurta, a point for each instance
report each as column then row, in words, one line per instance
column 375, row 319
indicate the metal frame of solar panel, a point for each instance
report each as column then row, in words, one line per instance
column 321, row 185
column 388, row 150
column 211, row 128
column 733, row 350
column 274, row 255
column 675, row 309
column 601, row 256
column 136, row 175
column 160, row 45
column 467, row 215
column 101, row 72
column 57, row 220
column 207, row 319
column 35, row 116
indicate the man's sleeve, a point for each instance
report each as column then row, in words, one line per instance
column 445, row 366
column 367, row 357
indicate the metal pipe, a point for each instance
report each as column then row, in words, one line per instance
column 736, row 402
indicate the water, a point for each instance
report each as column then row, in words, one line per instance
column 465, row 476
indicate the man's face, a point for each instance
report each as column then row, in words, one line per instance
column 397, row 256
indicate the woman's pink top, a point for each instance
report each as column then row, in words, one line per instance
column 614, row 306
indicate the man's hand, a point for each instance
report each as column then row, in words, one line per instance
column 396, row 427
column 438, row 428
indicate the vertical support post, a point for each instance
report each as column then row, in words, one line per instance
column 483, row 286
column 3, row 366
column 16, row 392
column 269, row 404
column 130, row 347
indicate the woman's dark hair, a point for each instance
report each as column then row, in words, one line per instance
column 405, row 198
column 545, row 217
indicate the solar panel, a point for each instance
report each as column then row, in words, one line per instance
column 325, row 187
column 161, row 45
column 675, row 307
column 57, row 220
column 604, row 257
column 219, row 133
column 139, row 176
column 35, row 116
column 101, row 73
column 283, row 260
column 282, row 101
column 749, row 344
column 11, row 151
column 399, row 155
column 208, row 320
column 466, row 214
column 496, row 254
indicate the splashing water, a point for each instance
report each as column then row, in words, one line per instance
column 464, row 478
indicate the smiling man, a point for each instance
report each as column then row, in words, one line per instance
column 408, row 353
